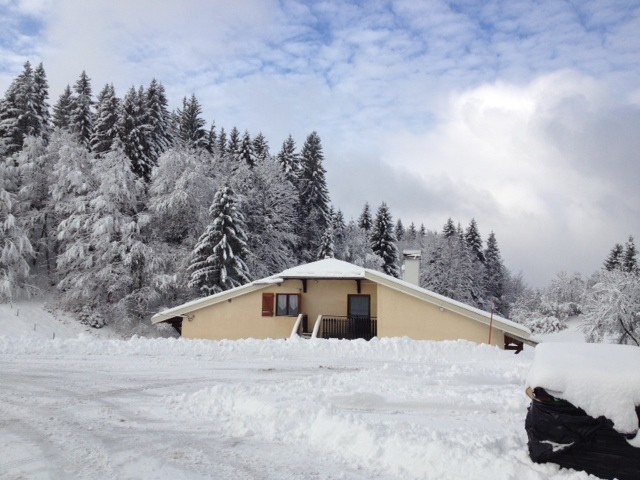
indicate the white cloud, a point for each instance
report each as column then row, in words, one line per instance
column 557, row 175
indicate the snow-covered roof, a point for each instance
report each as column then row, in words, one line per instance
column 331, row 268
column 327, row 268
column 601, row 379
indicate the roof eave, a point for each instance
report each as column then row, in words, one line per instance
column 186, row 308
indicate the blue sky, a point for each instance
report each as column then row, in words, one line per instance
column 523, row 115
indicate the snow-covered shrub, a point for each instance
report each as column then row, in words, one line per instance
column 544, row 325
column 91, row 317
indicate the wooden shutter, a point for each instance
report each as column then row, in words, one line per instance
column 267, row 304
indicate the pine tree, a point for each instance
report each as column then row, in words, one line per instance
column 260, row 147
column 104, row 255
column 412, row 233
column 212, row 139
column 383, row 241
column 357, row 248
column 289, row 160
column 41, row 94
column 81, row 121
column 181, row 193
column 222, row 143
column 218, row 258
column 314, row 197
column 105, row 129
column 191, row 132
column 269, row 208
column 134, row 132
column 494, row 274
column 449, row 229
column 365, row 221
column 233, row 144
column 630, row 261
column 159, row 137
column 615, row 258
column 400, row 233
column 339, row 235
column 423, row 231
column 35, row 164
column 23, row 110
column 327, row 248
column 246, row 153
column 63, row 109
column 15, row 248
column 474, row 241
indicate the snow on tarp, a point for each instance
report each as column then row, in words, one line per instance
column 602, row 379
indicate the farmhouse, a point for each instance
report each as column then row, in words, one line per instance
column 335, row 299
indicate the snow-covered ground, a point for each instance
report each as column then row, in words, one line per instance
column 89, row 407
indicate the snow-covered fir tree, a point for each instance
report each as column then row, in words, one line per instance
column 327, row 247
column 158, row 121
column 233, row 144
column 260, row 147
column 212, row 139
column 383, row 241
column 357, row 248
column 24, row 110
column 314, row 207
column 104, row 257
column 268, row 204
column 400, row 232
column 62, row 110
column 105, row 127
column 474, row 241
column 134, row 132
column 449, row 229
column 218, row 258
column 35, row 165
column 494, row 275
column 289, row 160
column 81, row 119
column 246, row 153
column 412, row 232
column 15, row 249
column 630, row 260
column 339, row 228
column 41, row 104
column 615, row 258
column 365, row 221
column 222, row 143
column 447, row 268
column 191, row 131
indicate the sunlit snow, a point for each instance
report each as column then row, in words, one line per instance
column 102, row 408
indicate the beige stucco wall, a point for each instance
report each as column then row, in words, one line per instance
column 401, row 315
column 241, row 317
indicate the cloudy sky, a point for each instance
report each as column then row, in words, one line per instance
column 524, row 115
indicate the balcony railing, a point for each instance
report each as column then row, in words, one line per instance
column 349, row 328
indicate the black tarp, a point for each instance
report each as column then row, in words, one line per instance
column 563, row 434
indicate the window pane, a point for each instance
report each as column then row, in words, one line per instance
column 281, row 308
column 293, row 305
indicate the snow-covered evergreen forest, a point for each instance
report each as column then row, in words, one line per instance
column 125, row 207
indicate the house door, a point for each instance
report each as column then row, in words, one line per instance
column 359, row 312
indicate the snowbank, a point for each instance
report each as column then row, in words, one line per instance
column 602, row 379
